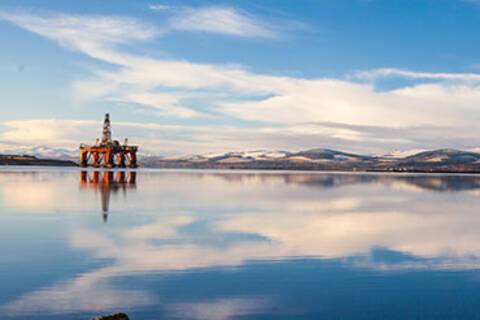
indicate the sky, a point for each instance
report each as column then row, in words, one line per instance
column 187, row 77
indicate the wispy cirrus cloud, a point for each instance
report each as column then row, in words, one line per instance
column 159, row 7
column 409, row 74
column 82, row 32
column 221, row 20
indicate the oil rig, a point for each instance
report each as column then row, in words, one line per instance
column 108, row 153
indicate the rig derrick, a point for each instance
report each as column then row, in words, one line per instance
column 108, row 153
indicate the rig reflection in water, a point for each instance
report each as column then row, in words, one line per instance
column 106, row 183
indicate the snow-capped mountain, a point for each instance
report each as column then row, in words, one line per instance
column 328, row 154
column 398, row 154
column 240, row 155
column 451, row 156
column 442, row 160
column 260, row 159
column 44, row 152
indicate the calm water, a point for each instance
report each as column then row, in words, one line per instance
column 230, row 245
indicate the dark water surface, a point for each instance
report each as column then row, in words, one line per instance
column 230, row 245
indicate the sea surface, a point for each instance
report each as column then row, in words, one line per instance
column 217, row 245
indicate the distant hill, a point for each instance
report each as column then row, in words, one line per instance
column 26, row 160
column 334, row 155
column 442, row 160
column 45, row 152
column 446, row 156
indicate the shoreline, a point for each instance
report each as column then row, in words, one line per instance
column 71, row 164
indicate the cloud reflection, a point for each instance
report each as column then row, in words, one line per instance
column 220, row 309
column 89, row 293
column 195, row 220
column 278, row 221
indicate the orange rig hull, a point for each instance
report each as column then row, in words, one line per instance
column 108, row 157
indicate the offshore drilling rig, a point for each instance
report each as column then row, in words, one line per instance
column 108, row 153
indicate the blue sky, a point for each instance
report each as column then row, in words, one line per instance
column 208, row 76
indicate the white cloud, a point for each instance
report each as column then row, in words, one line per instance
column 360, row 104
column 222, row 20
column 393, row 72
column 54, row 132
column 165, row 104
column 159, row 7
column 82, row 32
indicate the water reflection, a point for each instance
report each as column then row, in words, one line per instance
column 189, row 225
column 106, row 183
column 432, row 182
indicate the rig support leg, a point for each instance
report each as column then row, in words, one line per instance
column 83, row 158
column 133, row 159
column 96, row 159
column 108, row 159
column 121, row 160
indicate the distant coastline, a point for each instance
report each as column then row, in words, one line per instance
column 27, row 160
column 434, row 161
